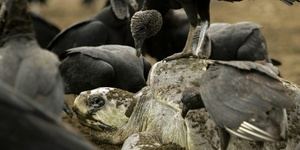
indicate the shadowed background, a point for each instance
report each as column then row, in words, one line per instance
column 281, row 24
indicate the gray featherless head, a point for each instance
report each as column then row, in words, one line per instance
column 14, row 18
column 145, row 24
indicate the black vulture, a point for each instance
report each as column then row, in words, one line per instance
column 198, row 13
column 27, row 125
column 110, row 26
column 23, row 64
column 245, row 99
column 170, row 39
column 240, row 41
column 87, row 68
column 44, row 30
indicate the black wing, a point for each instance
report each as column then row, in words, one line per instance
column 81, row 72
column 233, row 95
column 45, row 31
column 106, row 65
column 87, row 33
column 241, row 41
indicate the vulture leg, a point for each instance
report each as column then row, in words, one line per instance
column 191, row 12
column 202, row 44
column 196, row 43
column 187, row 51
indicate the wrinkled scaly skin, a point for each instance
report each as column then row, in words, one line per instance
column 158, row 109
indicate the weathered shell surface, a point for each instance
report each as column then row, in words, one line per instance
column 158, row 111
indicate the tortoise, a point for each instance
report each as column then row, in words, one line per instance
column 155, row 116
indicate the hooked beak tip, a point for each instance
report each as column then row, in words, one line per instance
column 138, row 52
column 138, row 46
column 184, row 111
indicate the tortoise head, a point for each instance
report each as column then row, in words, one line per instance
column 104, row 108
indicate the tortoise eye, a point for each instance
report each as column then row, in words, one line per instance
column 96, row 102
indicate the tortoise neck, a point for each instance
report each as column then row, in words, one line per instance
column 15, row 20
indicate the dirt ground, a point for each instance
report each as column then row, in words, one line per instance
column 280, row 24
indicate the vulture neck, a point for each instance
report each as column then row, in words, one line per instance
column 15, row 21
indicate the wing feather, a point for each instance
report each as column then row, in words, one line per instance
column 232, row 95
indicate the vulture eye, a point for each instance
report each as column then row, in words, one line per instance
column 96, row 102
column 142, row 28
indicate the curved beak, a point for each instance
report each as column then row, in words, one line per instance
column 184, row 111
column 138, row 46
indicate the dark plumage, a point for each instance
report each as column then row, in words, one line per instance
column 240, row 41
column 245, row 99
column 170, row 39
column 23, row 64
column 43, row 29
column 191, row 100
column 108, row 27
column 39, row 1
column 27, row 125
column 88, row 68
column 198, row 14
column 199, row 18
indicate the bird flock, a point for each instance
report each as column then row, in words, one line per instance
column 241, row 88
